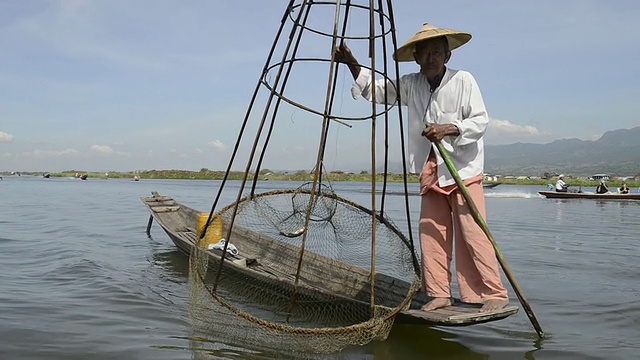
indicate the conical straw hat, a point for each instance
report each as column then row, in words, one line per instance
column 456, row 39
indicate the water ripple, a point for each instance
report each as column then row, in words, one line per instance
column 79, row 278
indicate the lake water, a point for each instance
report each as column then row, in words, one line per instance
column 80, row 278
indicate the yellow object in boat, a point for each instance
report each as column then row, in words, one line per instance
column 214, row 232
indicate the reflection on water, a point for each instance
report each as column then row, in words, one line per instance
column 515, row 194
column 79, row 278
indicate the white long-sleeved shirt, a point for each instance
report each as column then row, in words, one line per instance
column 456, row 101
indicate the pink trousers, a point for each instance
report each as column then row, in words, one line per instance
column 443, row 218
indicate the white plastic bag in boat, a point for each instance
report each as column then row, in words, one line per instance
column 231, row 249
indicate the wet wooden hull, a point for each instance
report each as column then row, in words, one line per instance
column 340, row 281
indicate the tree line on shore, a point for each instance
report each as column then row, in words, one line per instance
column 303, row 175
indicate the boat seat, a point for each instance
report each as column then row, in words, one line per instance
column 239, row 259
column 236, row 259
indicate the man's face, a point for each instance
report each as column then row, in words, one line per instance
column 432, row 55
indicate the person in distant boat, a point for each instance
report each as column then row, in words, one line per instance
column 443, row 105
column 602, row 188
column 623, row 189
column 561, row 186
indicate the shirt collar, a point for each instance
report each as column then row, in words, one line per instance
column 448, row 74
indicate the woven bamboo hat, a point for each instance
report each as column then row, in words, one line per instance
column 456, row 39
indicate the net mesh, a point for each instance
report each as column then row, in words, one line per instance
column 301, row 278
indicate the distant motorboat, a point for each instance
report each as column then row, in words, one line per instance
column 46, row 175
column 586, row 195
column 490, row 186
column 136, row 178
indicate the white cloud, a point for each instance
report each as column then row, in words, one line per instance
column 4, row 137
column 102, row 149
column 501, row 132
column 506, row 126
column 106, row 150
column 218, row 145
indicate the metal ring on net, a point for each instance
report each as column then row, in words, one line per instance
column 324, row 201
column 265, row 82
column 351, row 6
column 319, row 207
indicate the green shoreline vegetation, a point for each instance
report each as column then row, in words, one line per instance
column 264, row 175
column 301, row 175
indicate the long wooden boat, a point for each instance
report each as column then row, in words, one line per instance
column 259, row 252
column 587, row 195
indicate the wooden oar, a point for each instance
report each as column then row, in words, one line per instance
column 478, row 217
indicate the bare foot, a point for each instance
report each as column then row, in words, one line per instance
column 437, row 303
column 494, row 304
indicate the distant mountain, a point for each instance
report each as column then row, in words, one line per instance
column 616, row 152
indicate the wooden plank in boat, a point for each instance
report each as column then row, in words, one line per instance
column 188, row 235
column 455, row 315
column 154, row 202
column 163, row 209
column 157, row 199
column 153, row 207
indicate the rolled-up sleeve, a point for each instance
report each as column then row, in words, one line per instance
column 364, row 87
column 361, row 83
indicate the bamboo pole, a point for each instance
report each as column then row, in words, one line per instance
column 478, row 218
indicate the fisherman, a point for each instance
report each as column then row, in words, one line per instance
column 561, row 186
column 623, row 189
column 443, row 105
column 602, row 188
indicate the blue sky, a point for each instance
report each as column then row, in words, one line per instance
column 114, row 85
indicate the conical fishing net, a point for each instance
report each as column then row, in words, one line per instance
column 303, row 268
column 304, row 282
